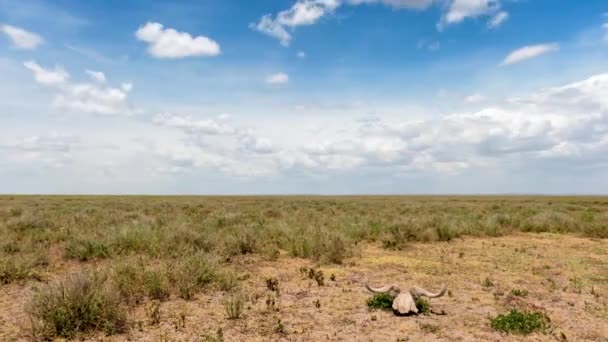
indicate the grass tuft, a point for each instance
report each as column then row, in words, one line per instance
column 78, row 304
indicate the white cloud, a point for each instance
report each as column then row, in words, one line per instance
column 303, row 12
column 45, row 76
column 278, row 78
column 96, row 76
column 95, row 98
column 272, row 28
column 459, row 10
column 529, row 52
column 21, row 38
column 169, row 43
column 309, row 12
column 411, row 4
column 474, row 98
column 301, row 54
column 210, row 127
column 498, row 19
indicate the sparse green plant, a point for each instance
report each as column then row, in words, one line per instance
column 153, row 312
column 272, row 284
column 317, row 275
column 85, row 250
column 78, row 304
column 218, row 337
column 430, row 328
column 234, row 305
column 523, row 323
column 519, row 293
column 228, row 280
column 381, row 301
column 487, row 282
column 279, row 327
column 156, row 284
column 14, row 269
column 423, row 305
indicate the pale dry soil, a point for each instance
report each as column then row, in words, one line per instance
column 566, row 276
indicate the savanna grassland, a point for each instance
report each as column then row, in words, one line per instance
column 294, row 268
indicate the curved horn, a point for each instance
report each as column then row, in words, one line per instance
column 380, row 289
column 418, row 292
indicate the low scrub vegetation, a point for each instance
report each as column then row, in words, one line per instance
column 79, row 304
column 518, row 322
column 381, row 301
column 164, row 248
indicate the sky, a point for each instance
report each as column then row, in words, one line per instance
column 304, row 97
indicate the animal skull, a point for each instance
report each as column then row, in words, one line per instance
column 405, row 302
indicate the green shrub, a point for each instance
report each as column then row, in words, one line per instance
column 192, row 275
column 423, row 305
column 78, row 304
column 518, row 322
column 129, row 279
column 381, row 301
column 156, row 285
column 85, row 250
column 26, row 223
column 14, row 269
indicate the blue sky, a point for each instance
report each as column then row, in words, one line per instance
column 304, row 96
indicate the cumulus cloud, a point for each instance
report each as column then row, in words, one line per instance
column 21, row 38
column 95, row 98
column 302, row 12
column 278, row 78
column 169, row 43
column 309, row 12
column 529, row 52
column 47, row 76
column 498, row 19
column 474, row 98
column 558, row 124
column 459, row 10
column 96, row 76
column 411, row 4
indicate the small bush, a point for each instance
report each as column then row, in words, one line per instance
column 234, row 305
column 519, row 293
column 26, row 223
column 228, row 280
column 12, row 269
column 272, row 284
column 518, row 322
column 381, row 301
column 156, row 285
column 129, row 278
column 423, row 305
column 84, row 250
column 194, row 274
column 78, row 304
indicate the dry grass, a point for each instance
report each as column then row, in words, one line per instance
column 189, row 263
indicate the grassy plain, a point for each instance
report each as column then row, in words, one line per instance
column 239, row 268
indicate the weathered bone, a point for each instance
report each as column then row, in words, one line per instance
column 405, row 302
